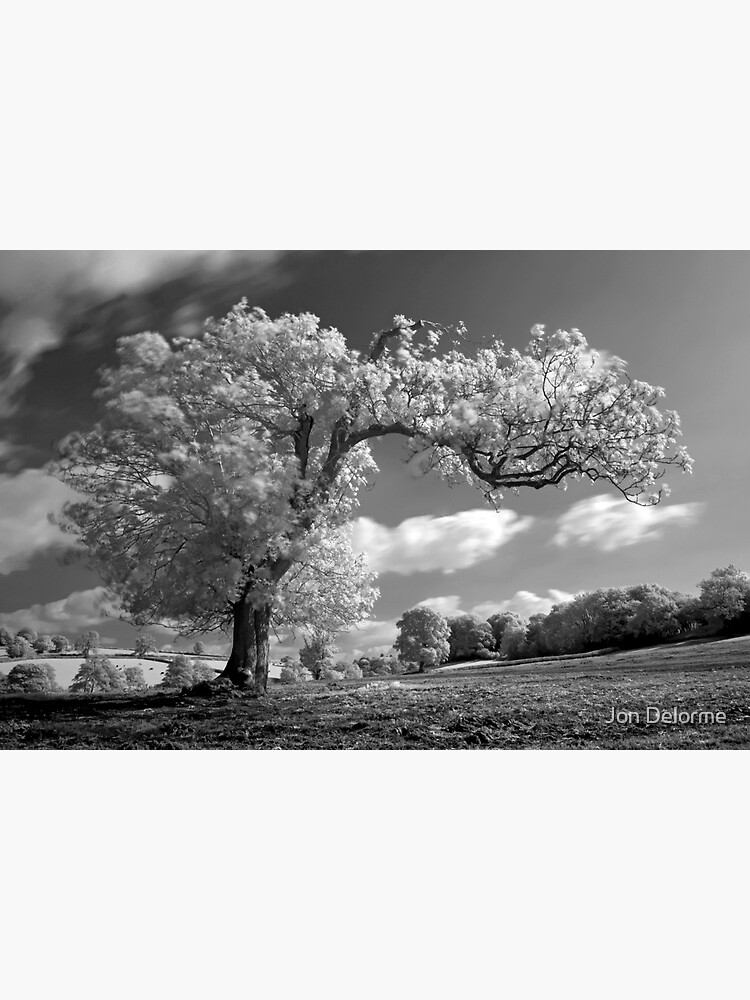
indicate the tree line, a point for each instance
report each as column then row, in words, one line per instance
column 620, row 617
column 97, row 673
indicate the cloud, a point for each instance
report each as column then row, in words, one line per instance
column 524, row 602
column 25, row 500
column 38, row 289
column 426, row 543
column 609, row 523
column 77, row 612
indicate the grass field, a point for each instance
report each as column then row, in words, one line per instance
column 564, row 703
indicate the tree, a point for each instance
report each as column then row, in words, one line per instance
column 317, row 653
column 98, row 674
column 513, row 645
column 498, row 624
column 28, row 634
column 20, row 649
column 725, row 597
column 32, row 677
column 134, row 679
column 43, row 644
column 424, row 638
column 199, row 649
column 60, row 643
column 143, row 645
column 657, row 616
column 87, row 643
column 226, row 464
column 179, row 673
column 6, row 636
column 468, row 635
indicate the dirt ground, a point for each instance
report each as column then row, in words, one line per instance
column 565, row 703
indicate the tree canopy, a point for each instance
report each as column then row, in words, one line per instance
column 219, row 483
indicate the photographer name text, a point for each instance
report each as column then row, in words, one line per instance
column 654, row 715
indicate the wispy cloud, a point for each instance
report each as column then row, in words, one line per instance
column 524, row 602
column 39, row 288
column 426, row 543
column 77, row 612
column 608, row 523
column 25, row 501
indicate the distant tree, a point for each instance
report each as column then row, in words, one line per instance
column 60, row 643
column 32, row 677
column 3, row 682
column 513, row 645
column 353, row 672
column 87, row 643
column 143, row 645
column 499, row 622
column 28, row 634
column 6, row 636
column 469, row 635
column 134, row 679
column 98, row 674
column 535, row 644
column 43, row 644
column 179, row 673
column 20, row 649
column 199, row 649
column 690, row 612
column 423, row 638
column 318, row 652
column 657, row 615
column 725, row 597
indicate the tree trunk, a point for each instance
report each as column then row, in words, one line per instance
column 247, row 666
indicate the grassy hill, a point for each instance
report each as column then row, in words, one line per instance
column 566, row 703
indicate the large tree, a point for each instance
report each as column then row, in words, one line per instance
column 226, row 465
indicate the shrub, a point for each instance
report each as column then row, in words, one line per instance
column 293, row 673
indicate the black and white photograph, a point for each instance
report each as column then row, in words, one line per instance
column 462, row 470
column 244, row 508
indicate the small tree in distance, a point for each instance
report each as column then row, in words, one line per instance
column 143, row 645
column 98, row 674
column 60, row 643
column 424, row 638
column 20, row 649
column 199, row 649
column 87, row 643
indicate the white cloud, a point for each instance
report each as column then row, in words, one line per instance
column 524, row 602
column 25, row 500
column 609, row 523
column 77, row 612
column 426, row 543
column 445, row 606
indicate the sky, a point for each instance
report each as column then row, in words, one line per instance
column 678, row 318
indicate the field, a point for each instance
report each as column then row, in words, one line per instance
column 654, row 694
